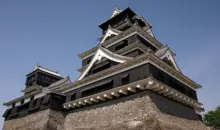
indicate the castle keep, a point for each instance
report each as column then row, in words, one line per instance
column 129, row 81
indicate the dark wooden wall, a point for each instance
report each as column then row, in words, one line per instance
column 53, row 101
column 134, row 74
column 172, row 82
column 120, row 45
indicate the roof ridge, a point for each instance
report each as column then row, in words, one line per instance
column 39, row 66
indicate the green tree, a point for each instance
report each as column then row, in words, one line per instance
column 212, row 118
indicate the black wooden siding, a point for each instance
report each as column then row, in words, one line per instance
column 132, row 39
column 135, row 74
column 172, row 82
column 53, row 101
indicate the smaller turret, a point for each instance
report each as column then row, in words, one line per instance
column 41, row 76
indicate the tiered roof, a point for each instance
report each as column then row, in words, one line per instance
column 101, row 53
column 127, row 12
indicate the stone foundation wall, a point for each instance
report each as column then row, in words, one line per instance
column 143, row 112
column 43, row 120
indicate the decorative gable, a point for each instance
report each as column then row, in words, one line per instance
column 166, row 55
column 147, row 27
column 58, row 84
column 109, row 33
column 149, row 31
column 103, row 53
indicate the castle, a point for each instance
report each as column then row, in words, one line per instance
column 129, row 81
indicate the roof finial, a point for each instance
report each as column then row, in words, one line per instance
column 37, row 66
column 116, row 11
column 117, row 7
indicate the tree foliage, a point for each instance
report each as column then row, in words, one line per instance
column 212, row 118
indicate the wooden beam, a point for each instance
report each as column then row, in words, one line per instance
column 115, row 94
column 140, row 87
column 100, row 98
column 131, row 89
column 160, row 88
column 93, row 100
column 163, row 91
column 168, row 94
column 107, row 96
column 88, row 101
column 75, row 104
column 123, row 91
column 81, row 103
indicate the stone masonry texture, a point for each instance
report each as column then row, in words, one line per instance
column 143, row 111
column 43, row 120
column 140, row 113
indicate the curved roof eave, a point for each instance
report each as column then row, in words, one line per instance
column 100, row 53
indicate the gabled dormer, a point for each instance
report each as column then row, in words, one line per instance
column 109, row 33
column 167, row 56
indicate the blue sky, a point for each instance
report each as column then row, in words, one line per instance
column 52, row 33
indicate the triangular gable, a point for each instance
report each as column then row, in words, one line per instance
column 166, row 53
column 100, row 53
column 109, row 32
column 143, row 20
column 59, row 83
column 149, row 30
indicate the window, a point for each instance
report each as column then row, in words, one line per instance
column 125, row 79
column 134, row 53
column 124, row 44
column 160, row 76
column 175, row 84
column 22, row 101
column 42, row 77
column 112, row 35
column 101, row 68
column 73, row 96
column 190, row 94
column 88, row 61
column 169, row 62
column 53, row 80
column 125, row 28
column 32, row 98
column 47, row 78
column 147, row 44
column 45, row 99
column 34, row 103
column 97, row 89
